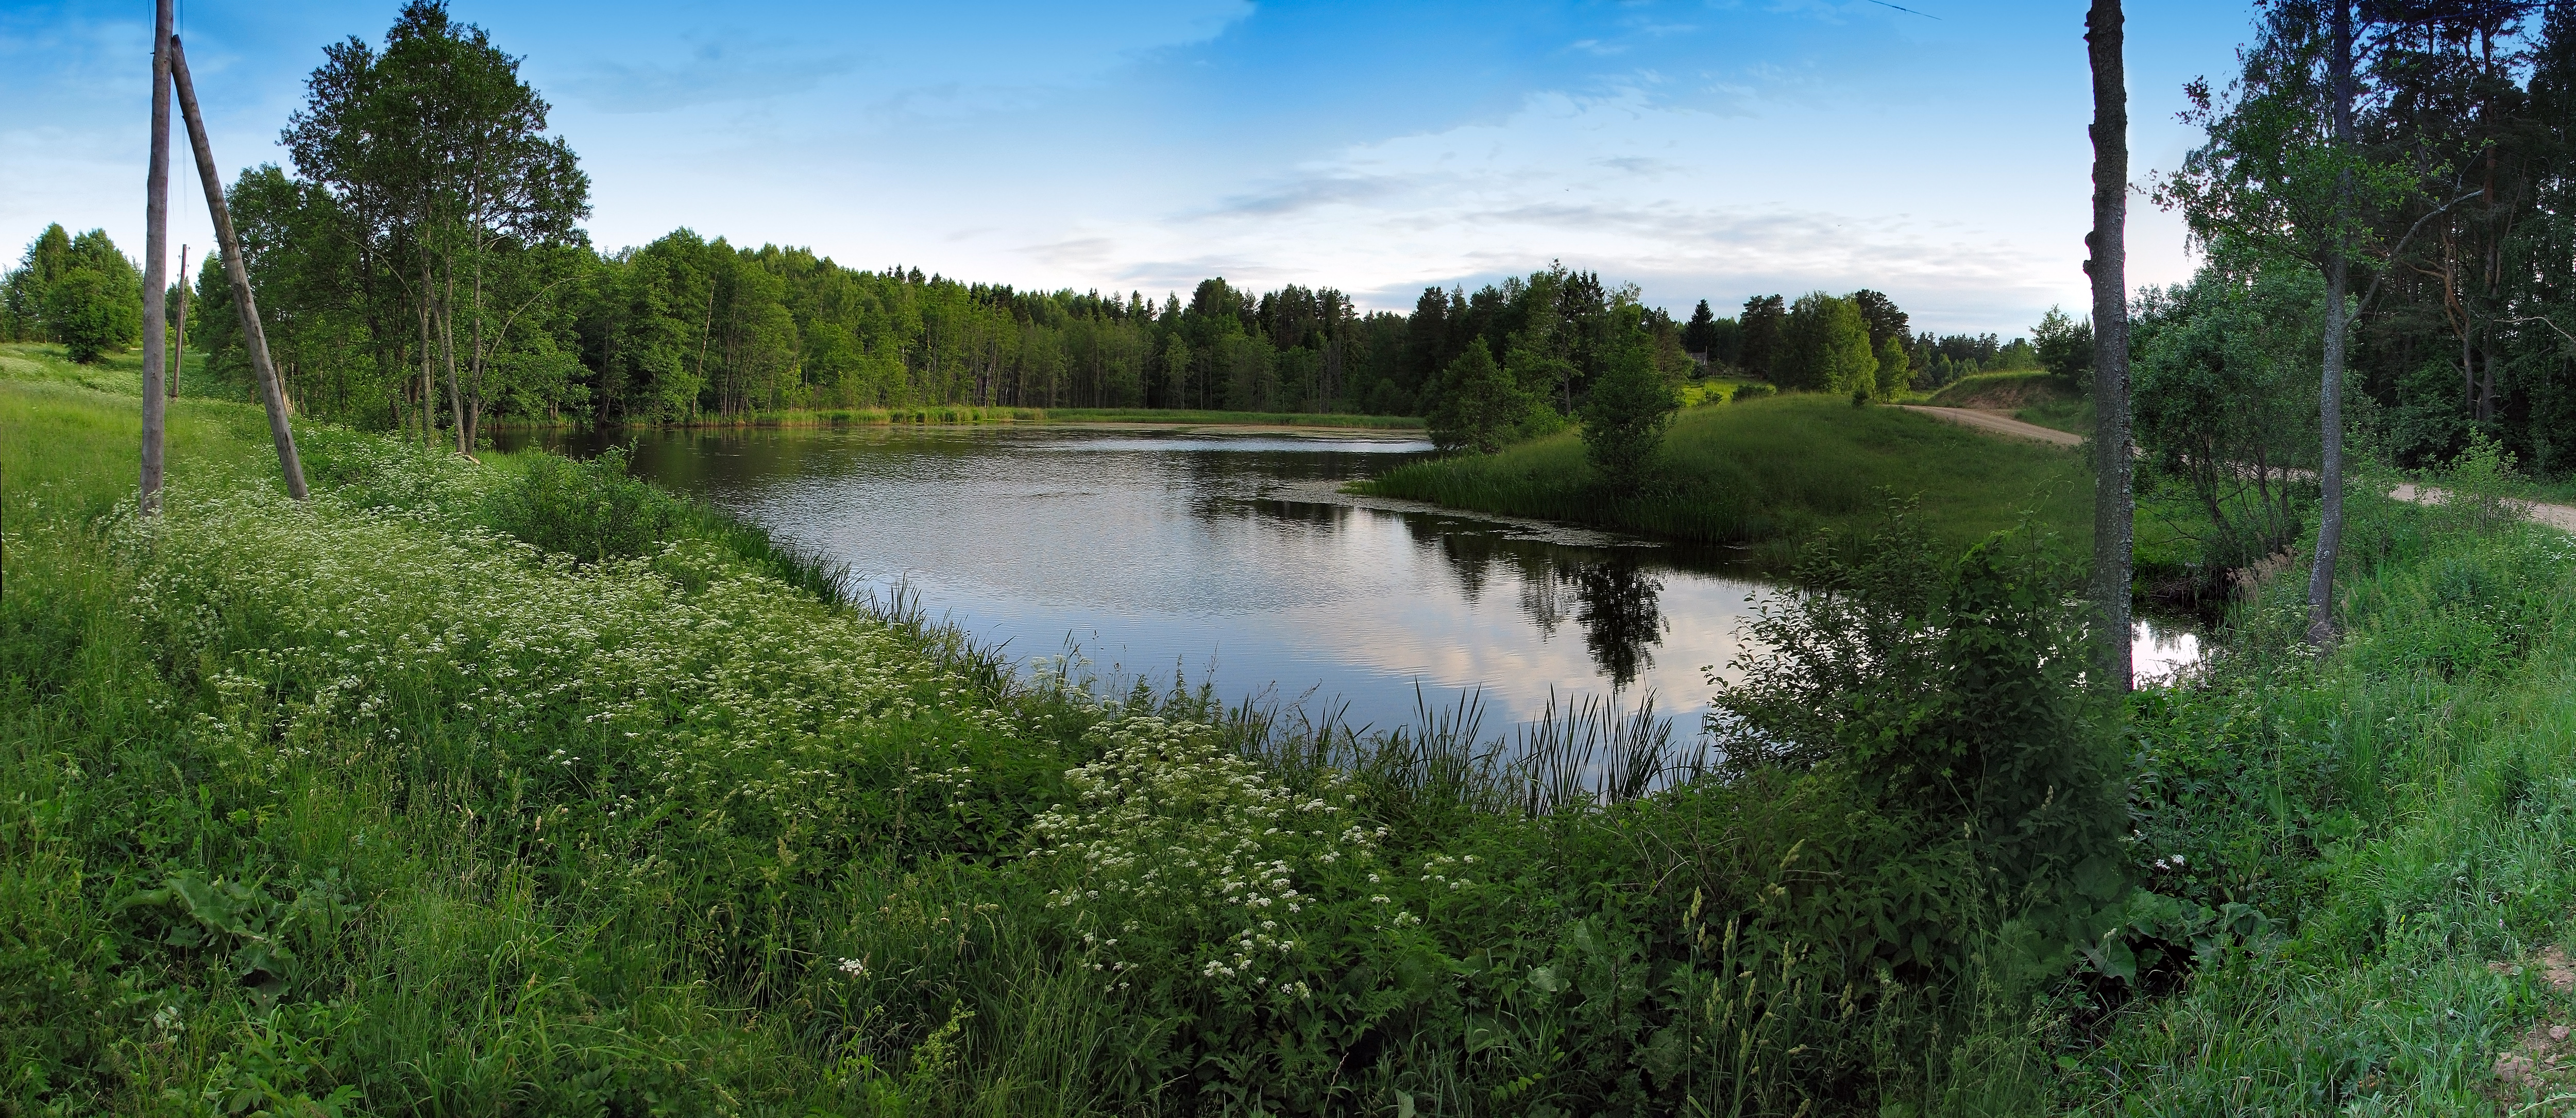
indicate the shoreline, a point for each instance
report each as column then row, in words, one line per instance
column 1096, row 418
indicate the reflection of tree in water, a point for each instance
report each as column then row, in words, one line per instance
column 1543, row 598
column 1616, row 603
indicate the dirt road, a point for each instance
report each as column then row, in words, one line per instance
column 1997, row 423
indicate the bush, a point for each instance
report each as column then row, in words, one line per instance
column 1625, row 416
column 1478, row 404
column 592, row 511
column 90, row 316
column 1951, row 700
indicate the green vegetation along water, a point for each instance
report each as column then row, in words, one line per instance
column 527, row 788
column 1231, row 558
column 1765, row 475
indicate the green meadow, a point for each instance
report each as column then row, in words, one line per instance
column 522, row 787
column 1766, row 475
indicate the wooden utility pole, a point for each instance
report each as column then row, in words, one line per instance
column 156, row 248
column 179, row 326
column 237, row 272
column 2114, row 521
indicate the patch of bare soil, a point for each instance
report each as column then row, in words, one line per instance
column 2541, row 1067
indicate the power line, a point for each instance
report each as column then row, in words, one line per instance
column 1902, row 8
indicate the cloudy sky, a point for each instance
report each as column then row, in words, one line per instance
column 1700, row 149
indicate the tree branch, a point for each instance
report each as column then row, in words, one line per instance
column 2400, row 246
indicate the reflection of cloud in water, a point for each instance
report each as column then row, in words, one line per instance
column 1237, row 552
column 2161, row 651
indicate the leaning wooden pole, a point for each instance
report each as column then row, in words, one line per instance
column 179, row 326
column 2114, row 521
column 227, row 243
column 156, row 248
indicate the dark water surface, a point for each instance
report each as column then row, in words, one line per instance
column 1232, row 558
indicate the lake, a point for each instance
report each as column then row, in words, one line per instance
column 1230, row 557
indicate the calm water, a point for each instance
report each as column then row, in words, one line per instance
column 1232, row 558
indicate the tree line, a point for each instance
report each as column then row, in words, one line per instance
column 420, row 264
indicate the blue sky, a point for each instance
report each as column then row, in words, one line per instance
column 1700, row 150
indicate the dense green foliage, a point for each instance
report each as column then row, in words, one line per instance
column 2461, row 180
column 2065, row 348
column 2390, row 824
column 382, row 802
column 1624, row 421
column 1767, row 473
column 2223, row 377
column 1825, row 348
column 1480, row 405
column 80, row 291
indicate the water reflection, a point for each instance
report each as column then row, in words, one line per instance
column 1229, row 559
column 1620, row 622
column 2162, row 651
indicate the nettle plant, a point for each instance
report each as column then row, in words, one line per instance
column 1188, row 870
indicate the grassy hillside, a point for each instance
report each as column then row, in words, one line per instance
column 1768, row 473
column 523, row 788
column 1999, row 391
column 526, row 788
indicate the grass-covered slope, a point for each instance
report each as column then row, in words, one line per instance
column 1771, row 472
column 522, row 788
column 367, row 805
column 2400, row 815
column 2006, row 391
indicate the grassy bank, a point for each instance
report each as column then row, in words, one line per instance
column 2391, row 829
column 521, row 787
column 525, row 788
column 1769, row 473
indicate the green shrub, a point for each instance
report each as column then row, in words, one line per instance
column 87, row 313
column 1624, row 418
column 593, row 511
column 1950, row 698
column 1478, row 404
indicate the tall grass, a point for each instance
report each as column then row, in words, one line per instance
column 1768, row 475
column 392, row 803
column 431, row 795
column 2401, row 814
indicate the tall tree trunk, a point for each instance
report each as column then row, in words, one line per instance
column 2113, row 520
column 179, row 326
column 156, row 246
column 237, row 271
column 447, row 354
column 2321, row 572
column 474, row 388
column 428, row 392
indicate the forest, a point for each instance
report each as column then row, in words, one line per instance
column 516, row 783
column 424, row 268
column 437, row 276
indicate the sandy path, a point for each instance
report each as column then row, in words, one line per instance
column 1998, row 423
column 2562, row 517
